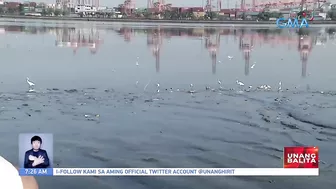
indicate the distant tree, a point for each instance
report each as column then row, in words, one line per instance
column 12, row 10
column 184, row 15
column 276, row 15
column 4, row 10
column 44, row 12
column 57, row 12
column 332, row 14
column 211, row 15
column 243, row 16
column 264, row 15
column 171, row 15
column 147, row 14
column 175, row 14
column 190, row 14
column 65, row 12
column 49, row 11
column 21, row 8
column 167, row 15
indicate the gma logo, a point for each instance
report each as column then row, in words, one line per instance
column 291, row 23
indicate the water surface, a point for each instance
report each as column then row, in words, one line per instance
column 197, row 117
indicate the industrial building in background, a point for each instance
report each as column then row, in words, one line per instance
column 163, row 9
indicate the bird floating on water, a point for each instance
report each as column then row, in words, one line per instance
column 264, row 87
column 280, row 86
column 158, row 87
column 220, row 84
column 230, row 57
column 191, row 89
column 30, row 83
column 137, row 62
column 240, row 83
column 252, row 66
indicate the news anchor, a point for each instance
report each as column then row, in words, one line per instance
column 36, row 157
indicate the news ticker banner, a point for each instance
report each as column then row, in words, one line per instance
column 297, row 161
column 170, row 172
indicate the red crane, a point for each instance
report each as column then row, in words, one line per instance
column 128, row 7
column 305, row 47
column 212, row 43
column 157, row 6
column 154, row 42
column 211, row 5
column 245, row 45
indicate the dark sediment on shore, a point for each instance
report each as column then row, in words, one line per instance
column 329, row 22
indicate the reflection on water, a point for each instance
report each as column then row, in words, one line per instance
column 76, row 38
column 246, row 40
column 220, row 124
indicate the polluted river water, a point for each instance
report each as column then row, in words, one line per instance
column 116, row 95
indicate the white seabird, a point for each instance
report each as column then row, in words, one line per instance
column 240, row 83
column 30, row 83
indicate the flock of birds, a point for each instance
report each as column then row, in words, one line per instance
column 239, row 83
